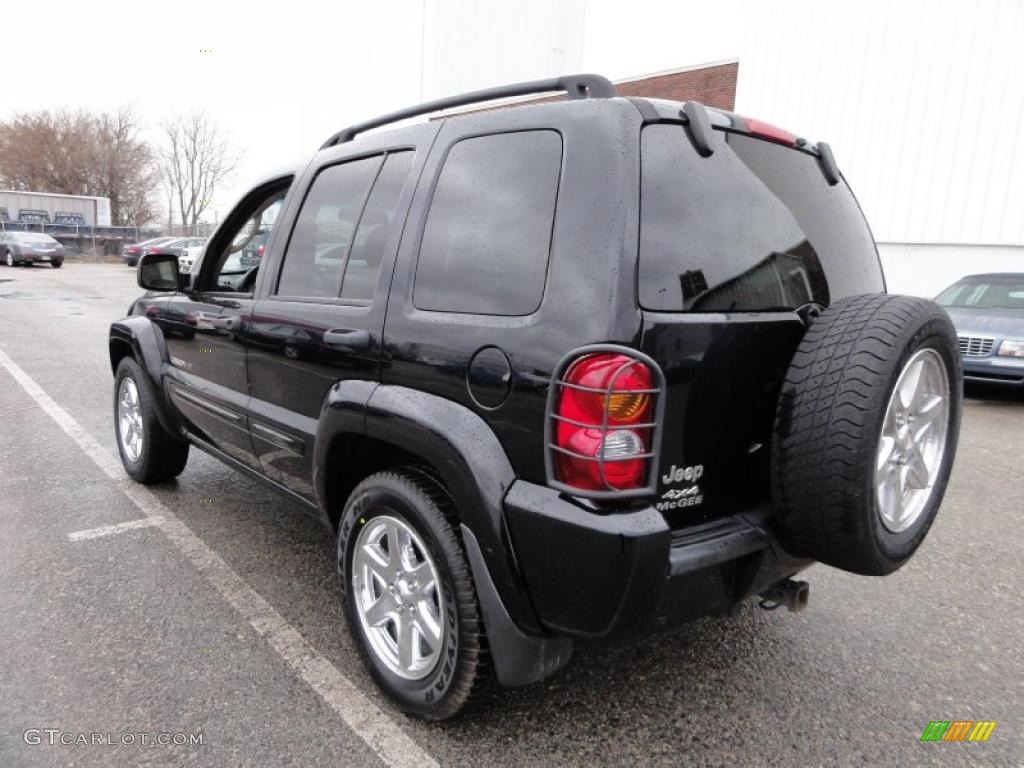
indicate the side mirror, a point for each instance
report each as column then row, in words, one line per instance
column 158, row 272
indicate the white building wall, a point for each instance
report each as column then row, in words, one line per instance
column 921, row 100
column 96, row 210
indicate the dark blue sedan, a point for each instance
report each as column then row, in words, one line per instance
column 988, row 312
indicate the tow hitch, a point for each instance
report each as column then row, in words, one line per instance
column 792, row 594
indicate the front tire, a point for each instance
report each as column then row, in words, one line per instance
column 148, row 452
column 56, row 264
column 9, row 259
column 409, row 594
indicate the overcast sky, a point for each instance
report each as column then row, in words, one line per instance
column 280, row 77
column 876, row 78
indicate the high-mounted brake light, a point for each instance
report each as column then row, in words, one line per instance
column 768, row 131
column 603, row 423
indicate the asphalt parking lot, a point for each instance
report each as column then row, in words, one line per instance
column 167, row 628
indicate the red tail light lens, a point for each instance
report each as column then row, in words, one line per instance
column 153, row 250
column 259, row 251
column 603, row 414
column 770, row 132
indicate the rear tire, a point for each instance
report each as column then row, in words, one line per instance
column 157, row 456
column 857, row 482
column 411, row 505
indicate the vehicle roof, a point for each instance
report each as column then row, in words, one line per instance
column 994, row 276
column 33, row 235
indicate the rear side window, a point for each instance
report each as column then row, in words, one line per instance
column 754, row 227
column 314, row 260
column 488, row 232
column 375, row 225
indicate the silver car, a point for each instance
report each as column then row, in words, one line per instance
column 29, row 247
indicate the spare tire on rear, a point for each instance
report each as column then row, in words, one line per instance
column 866, row 432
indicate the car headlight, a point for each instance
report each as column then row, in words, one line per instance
column 1012, row 348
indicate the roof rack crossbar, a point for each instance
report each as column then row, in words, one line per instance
column 576, row 86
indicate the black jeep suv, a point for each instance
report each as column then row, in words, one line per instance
column 552, row 373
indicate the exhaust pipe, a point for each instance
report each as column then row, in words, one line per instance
column 791, row 594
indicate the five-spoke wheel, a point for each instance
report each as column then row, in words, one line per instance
column 396, row 592
column 129, row 419
column 913, row 440
column 409, row 593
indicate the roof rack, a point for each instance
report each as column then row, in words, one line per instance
column 576, row 86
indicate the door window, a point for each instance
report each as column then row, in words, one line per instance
column 376, row 223
column 315, row 259
column 239, row 261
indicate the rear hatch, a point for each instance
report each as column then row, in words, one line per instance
column 735, row 250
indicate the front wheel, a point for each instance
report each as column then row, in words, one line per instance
column 409, row 594
column 149, row 453
column 56, row 264
column 9, row 259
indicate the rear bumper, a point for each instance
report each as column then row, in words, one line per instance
column 40, row 257
column 596, row 575
column 995, row 370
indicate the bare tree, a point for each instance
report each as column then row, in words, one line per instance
column 126, row 168
column 48, row 152
column 194, row 162
column 81, row 153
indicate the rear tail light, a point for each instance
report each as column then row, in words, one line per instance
column 259, row 251
column 153, row 250
column 603, row 423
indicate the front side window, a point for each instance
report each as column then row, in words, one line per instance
column 487, row 237
column 235, row 269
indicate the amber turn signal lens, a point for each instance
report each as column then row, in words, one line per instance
column 626, row 406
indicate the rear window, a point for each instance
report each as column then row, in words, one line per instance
column 754, row 227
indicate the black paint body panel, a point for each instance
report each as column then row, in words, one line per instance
column 466, row 394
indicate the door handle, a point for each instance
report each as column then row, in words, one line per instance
column 229, row 323
column 347, row 338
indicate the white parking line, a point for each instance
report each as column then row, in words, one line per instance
column 366, row 719
column 106, row 530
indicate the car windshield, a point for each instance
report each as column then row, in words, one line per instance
column 34, row 237
column 985, row 293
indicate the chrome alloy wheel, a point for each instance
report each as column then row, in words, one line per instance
column 397, row 597
column 129, row 419
column 913, row 440
column 10, row 259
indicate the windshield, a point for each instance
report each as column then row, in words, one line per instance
column 753, row 227
column 985, row 293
